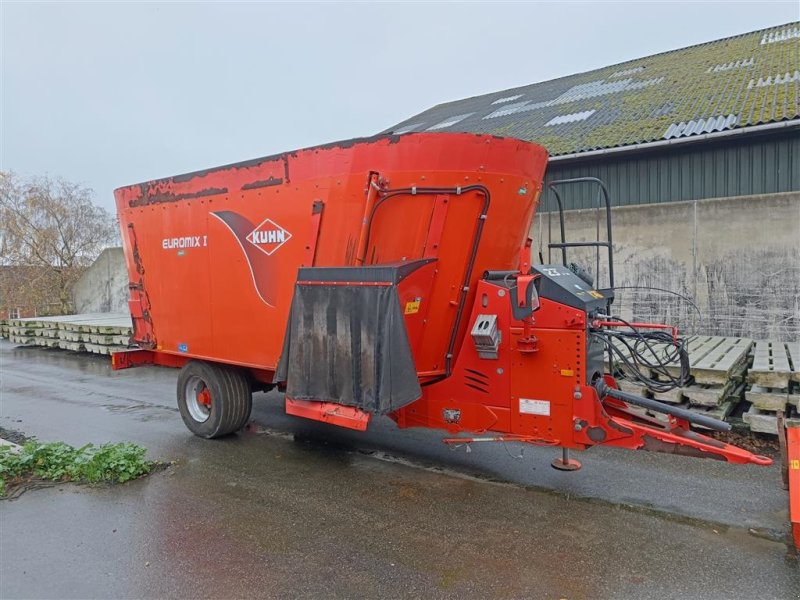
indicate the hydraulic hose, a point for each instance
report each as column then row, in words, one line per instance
column 604, row 390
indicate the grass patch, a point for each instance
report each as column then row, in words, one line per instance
column 57, row 461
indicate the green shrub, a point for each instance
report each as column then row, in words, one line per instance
column 111, row 462
column 57, row 461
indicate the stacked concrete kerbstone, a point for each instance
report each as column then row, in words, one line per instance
column 99, row 333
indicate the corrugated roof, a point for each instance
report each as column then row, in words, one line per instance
column 732, row 83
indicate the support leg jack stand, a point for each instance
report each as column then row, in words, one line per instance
column 565, row 463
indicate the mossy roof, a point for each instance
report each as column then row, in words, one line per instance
column 736, row 82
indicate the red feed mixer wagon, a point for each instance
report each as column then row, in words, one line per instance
column 390, row 276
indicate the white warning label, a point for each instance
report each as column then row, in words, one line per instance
column 534, row 407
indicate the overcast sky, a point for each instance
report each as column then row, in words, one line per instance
column 111, row 94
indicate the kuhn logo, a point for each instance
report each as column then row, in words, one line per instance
column 268, row 237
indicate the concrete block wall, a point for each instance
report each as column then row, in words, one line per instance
column 104, row 286
column 737, row 259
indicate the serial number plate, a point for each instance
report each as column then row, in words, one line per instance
column 534, row 407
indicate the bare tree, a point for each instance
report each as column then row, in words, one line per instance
column 52, row 227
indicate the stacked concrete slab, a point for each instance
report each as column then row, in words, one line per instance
column 99, row 333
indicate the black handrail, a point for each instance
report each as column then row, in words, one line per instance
column 564, row 244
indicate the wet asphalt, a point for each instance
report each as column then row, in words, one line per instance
column 292, row 508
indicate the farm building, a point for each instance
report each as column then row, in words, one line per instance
column 700, row 150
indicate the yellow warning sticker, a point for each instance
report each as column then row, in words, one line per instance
column 567, row 372
column 595, row 294
column 412, row 306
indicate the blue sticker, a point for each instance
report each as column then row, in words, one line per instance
column 522, row 191
column 183, row 347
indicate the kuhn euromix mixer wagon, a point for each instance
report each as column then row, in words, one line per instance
column 387, row 276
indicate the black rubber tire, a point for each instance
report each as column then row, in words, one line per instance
column 231, row 398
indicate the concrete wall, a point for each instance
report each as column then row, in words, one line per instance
column 104, row 285
column 737, row 258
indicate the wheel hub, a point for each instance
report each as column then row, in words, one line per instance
column 204, row 398
column 198, row 399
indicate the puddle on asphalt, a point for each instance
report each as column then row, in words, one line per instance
column 142, row 412
column 87, row 363
column 321, row 445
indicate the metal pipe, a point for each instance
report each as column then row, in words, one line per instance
column 497, row 275
column 667, row 409
column 561, row 221
column 372, row 193
column 580, row 244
